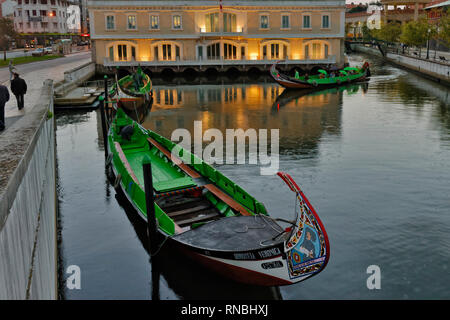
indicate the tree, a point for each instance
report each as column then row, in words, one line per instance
column 443, row 32
column 417, row 33
column 366, row 32
column 388, row 32
column 7, row 33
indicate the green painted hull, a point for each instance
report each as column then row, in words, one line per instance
column 167, row 177
column 209, row 217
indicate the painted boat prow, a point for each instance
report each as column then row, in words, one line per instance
column 308, row 247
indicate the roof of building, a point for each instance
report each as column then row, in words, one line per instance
column 438, row 4
column 357, row 14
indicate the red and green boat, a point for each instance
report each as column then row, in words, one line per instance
column 322, row 79
column 212, row 219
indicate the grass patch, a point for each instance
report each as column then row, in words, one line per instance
column 22, row 60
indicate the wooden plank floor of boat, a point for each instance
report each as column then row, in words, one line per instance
column 186, row 210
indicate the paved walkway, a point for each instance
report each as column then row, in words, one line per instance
column 35, row 74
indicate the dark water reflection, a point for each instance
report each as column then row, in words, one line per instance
column 372, row 158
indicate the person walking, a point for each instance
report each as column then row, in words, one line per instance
column 4, row 97
column 19, row 88
column 12, row 70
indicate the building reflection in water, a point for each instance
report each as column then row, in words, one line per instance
column 301, row 117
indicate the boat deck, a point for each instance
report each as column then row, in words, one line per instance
column 165, row 178
column 238, row 233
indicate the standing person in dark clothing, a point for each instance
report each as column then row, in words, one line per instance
column 4, row 97
column 19, row 88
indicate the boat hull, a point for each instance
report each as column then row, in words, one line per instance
column 251, row 249
column 315, row 82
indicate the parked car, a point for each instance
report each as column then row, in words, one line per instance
column 38, row 52
column 48, row 50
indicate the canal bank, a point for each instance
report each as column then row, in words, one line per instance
column 434, row 70
column 28, row 238
column 372, row 158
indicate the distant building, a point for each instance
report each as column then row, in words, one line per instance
column 7, row 8
column 199, row 33
column 41, row 16
column 356, row 20
column 436, row 9
column 402, row 11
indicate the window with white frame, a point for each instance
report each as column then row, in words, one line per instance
column 131, row 22
column 264, row 21
column 307, row 21
column 154, row 22
column 229, row 22
column 212, row 22
column 325, row 21
column 110, row 23
column 176, row 22
column 285, row 23
column 122, row 52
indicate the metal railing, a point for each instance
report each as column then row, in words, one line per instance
column 213, row 62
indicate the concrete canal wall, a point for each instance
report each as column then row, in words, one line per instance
column 28, row 246
column 74, row 77
column 434, row 70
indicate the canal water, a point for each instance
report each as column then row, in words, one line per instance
column 372, row 158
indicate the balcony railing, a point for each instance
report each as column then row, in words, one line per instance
column 239, row 31
column 215, row 62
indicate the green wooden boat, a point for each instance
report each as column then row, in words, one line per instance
column 132, row 92
column 209, row 217
column 322, row 79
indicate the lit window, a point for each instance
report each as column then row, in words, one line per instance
column 176, row 22
column 132, row 23
column 212, row 22
column 154, row 22
column 122, row 52
column 264, row 22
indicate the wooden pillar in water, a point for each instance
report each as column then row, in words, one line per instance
column 150, row 204
column 104, row 130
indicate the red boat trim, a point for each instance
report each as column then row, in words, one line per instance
column 237, row 273
column 285, row 176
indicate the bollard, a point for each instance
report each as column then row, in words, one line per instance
column 105, row 134
column 106, row 97
column 150, row 203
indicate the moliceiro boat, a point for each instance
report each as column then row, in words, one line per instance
column 209, row 217
column 133, row 91
column 322, row 79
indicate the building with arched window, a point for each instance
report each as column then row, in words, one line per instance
column 199, row 32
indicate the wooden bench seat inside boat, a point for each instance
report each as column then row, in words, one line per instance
column 185, row 210
column 211, row 187
column 238, row 233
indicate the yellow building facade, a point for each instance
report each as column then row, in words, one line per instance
column 202, row 34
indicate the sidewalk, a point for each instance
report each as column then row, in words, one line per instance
column 34, row 80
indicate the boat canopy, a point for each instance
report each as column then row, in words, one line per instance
column 322, row 71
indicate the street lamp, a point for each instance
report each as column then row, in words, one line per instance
column 428, row 44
